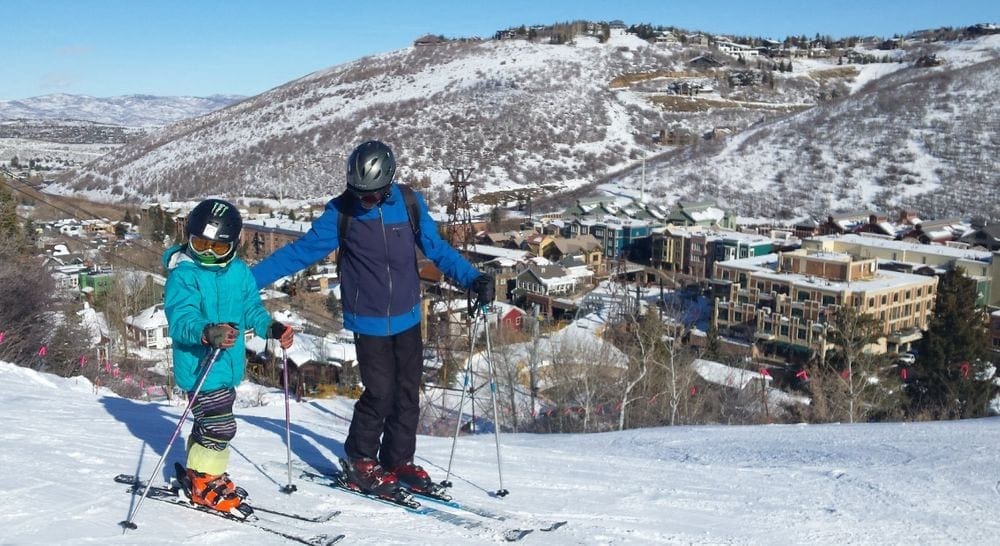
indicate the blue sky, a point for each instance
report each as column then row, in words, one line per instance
column 204, row 47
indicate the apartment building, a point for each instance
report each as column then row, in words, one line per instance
column 981, row 266
column 784, row 301
column 264, row 236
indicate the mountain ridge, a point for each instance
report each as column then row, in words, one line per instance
column 523, row 114
column 138, row 110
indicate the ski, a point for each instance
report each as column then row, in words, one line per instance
column 413, row 507
column 482, row 512
column 129, row 479
column 170, row 496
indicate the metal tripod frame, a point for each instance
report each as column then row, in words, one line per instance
column 483, row 318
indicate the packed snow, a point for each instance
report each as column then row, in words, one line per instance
column 890, row 483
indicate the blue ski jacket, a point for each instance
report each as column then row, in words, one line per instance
column 379, row 283
column 197, row 295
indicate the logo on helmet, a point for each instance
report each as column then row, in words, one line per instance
column 219, row 209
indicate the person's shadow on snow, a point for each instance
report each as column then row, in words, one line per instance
column 304, row 443
column 152, row 426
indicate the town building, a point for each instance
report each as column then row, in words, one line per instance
column 784, row 302
column 981, row 266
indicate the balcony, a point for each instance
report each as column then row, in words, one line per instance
column 909, row 335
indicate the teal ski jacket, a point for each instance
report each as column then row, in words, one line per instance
column 197, row 296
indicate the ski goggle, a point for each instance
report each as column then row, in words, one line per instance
column 208, row 247
column 371, row 199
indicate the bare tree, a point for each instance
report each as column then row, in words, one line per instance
column 862, row 386
column 508, row 362
column 26, row 292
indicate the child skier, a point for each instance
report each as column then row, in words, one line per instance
column 210, row 299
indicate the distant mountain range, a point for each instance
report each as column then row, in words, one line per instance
column 125, row 111
column 910, row 126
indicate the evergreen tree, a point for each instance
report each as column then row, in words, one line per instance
column 949, row 373
column 9, row 228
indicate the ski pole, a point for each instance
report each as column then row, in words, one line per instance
column 493, row 398
column 210, row 360
column 290, row 488
column 461, row 404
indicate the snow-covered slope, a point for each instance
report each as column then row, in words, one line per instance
column 825, row 136
column 520, row 113
column 917, row 483
column 127, row 110
column 923, row 139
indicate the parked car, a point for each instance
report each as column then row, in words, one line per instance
column 906, row 358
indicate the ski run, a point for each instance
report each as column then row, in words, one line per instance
column 62, row 443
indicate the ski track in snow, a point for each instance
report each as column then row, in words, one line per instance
column 893, row 483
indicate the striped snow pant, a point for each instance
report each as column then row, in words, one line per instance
column 214, row 424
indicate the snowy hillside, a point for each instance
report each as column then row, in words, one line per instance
column 920, row 483
column 127, row 111
column 571, row 116
column 916, row 138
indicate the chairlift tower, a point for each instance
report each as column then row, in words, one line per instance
column 449, row 339
column 459, row 229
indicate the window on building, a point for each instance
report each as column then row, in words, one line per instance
column 802, row 295
column 829, row 300
column 801, row 334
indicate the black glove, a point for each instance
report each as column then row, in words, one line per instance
column 220, row 336
column 485, row 288
column 282, row 332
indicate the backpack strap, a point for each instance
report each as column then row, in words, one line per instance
column 412, row 209
column 345, row 202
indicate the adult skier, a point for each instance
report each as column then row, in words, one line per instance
column 210, row 300
column 380, row 294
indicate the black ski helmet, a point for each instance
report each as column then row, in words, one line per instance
column 370, row 168
column 215, row 220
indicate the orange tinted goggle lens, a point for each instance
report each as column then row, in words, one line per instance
column 200, row 244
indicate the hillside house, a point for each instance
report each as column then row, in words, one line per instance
column 509, row 317
column 696, row 40
column 737, row 50
column 846, row 222
column 704, row 62
column 806, row 227
column 318, row 361
column 429, row 40
column 547, row 280
column 676, row 136
column 149, row 328
column 940, row 231
column 983, row 235
column 701, row 213
column 586, row 246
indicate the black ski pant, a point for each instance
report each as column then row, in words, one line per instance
column 385, row 420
